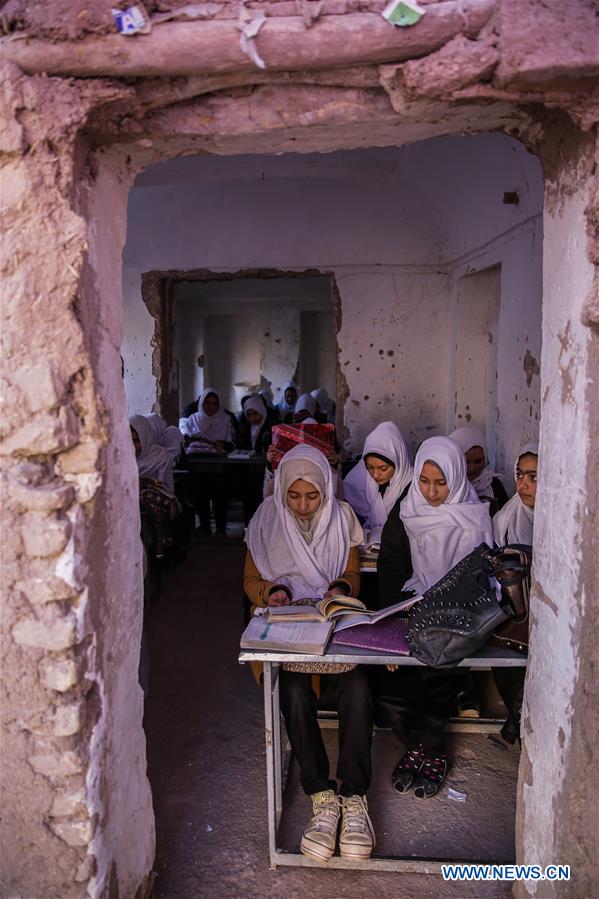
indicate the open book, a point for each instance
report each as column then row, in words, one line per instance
column 343, row 611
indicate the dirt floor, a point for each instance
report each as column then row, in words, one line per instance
column 204, row 724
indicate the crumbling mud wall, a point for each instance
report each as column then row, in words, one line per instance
column 76, row 804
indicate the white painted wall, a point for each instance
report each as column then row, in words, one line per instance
column 250, row 330
column 397, row 228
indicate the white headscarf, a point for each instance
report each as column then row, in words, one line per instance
column 282, row 405
column 305, row 403
column 514, row 523
column 209, row 428
column 466, row 438
column 325, row 403
column 167, row 436
column 279, row 545
column 257, row 404
column 441, row 536
column 153, row 461
column 361, row 490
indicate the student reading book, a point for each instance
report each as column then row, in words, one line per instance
column 302, row 541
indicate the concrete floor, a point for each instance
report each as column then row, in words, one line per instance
column 204, row 724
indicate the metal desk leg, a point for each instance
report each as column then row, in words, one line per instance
column 272, row 731
column 276, row 738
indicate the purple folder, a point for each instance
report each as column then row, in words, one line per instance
column 387, row 635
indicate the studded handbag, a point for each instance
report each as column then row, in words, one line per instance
column 457, row 615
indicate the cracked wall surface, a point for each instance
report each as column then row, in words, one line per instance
column 76, row 804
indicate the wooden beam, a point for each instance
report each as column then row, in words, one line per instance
column 284, row 43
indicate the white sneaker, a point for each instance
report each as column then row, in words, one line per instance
column 357, row 834
column 320, row 836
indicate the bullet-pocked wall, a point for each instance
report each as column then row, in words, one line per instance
column 399, row 228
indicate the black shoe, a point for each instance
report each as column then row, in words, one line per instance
column 432, row 776
column 407, row 769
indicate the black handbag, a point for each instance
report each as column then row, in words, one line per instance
column 457, row 615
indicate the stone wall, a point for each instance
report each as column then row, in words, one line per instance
column 74, row 788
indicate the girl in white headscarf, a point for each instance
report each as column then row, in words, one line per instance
column 485, row 481
column 255, row 433
column 287, row 400
column 302, row 542
column 325, row 404
column 303, row 554
column 305, row 410
column 380, row 478
column 153, row 461
column 210, row 429
column 440, row 521
column 514, row 523
column 167, row 436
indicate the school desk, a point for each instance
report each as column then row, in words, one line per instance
column 488, row 657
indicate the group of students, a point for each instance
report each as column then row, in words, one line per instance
column 207, row 427
column 303, row 542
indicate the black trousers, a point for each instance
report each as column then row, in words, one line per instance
column 415, row 703
column 207, row 488
column 351, row 695
column 510, row 685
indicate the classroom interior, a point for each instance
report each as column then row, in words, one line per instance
column 406, row 281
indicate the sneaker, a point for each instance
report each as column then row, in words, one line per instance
column 320, row 836
column 468, row 705
column 357, row 834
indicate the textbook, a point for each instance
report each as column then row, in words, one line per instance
column 309, row 637
column 342, row 611
column 285, row 437
column 387, row 635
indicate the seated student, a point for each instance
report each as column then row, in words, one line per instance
column 167, row 436
column 302, row 542
column 255, row 433
column 514, row 524
column 325, row 405
column 485, row 481
column 267, row 396
column 305, row 410
column 210, row 430
column 287, row 401
column 156, row 480
column 436, row 525
column 196, row 405
column 381, row 478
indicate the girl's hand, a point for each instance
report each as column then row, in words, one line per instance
column 278, row 598
column 391, row 667
column 332, row 456
column 336, row 591
column 271, row 454
column 220, row 447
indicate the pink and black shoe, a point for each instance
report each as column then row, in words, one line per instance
column 431, row 776
column 407, row 770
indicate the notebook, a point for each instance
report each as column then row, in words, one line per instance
column 310, row 637
column 386, row 635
